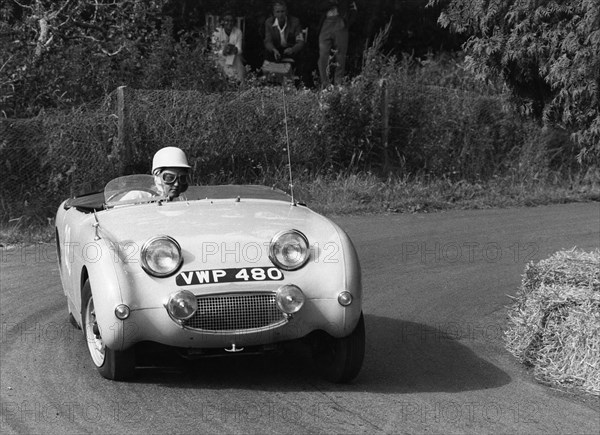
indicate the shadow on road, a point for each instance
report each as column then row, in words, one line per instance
column 412, row 357
column 401, row 357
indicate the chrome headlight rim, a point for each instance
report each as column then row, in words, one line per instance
column 273, row 246
column 144, row 260
column 290, row 298
column 181, row 295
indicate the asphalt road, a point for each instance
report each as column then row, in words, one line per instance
column 436, row 288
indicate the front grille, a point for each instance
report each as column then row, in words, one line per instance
column 223, row 313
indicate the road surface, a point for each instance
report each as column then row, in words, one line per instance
column 435, row 288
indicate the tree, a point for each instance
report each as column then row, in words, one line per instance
column 62, row 53
column 53, row 51
column 547, row 51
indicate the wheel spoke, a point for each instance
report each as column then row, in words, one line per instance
column 93, row 337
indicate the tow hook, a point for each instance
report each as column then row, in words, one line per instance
column 234, row 349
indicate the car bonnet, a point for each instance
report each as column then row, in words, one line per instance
column 214, row 225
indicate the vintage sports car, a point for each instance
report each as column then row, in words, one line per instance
column 222, row 270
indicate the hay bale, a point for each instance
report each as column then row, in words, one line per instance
column 554, row 322
column 574, row 267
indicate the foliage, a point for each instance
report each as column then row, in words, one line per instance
column 432, row 132
column 426, row 118
column 547, row 51
column 60, row 54
column 63, row 54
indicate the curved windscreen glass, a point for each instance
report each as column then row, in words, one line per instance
column 131, row 189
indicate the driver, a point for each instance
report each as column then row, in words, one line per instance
column 170, row 169
column 171, row 172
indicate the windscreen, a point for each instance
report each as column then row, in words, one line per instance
column 131, row 189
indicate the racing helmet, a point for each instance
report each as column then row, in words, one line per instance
column 169, row 157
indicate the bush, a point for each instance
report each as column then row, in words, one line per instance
column 392, row 119
column 547, row 52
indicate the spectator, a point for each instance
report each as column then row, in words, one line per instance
column 337, row 17
column 283, row 35
column 227, row 46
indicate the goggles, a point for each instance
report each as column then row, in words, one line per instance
column 171, row 178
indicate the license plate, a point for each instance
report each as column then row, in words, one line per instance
column 216, row 276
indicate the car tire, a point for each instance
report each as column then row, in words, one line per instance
column 111, row 364
column 340, row 359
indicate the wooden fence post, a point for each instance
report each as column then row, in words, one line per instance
column 123, row 153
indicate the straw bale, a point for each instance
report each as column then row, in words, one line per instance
column 575, row 267
column 554, row 322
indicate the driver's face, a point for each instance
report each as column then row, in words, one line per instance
column 172, row 181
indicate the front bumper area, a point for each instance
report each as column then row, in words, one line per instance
column 155, row 325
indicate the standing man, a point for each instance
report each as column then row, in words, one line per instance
column 283, row 34
column 337, row 17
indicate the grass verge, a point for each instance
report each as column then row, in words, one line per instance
column 367, row 193
column 554, row 323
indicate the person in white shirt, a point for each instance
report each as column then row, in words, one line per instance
column 227, row 46
column 283, row 35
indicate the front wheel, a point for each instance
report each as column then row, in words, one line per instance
column 111, row 364
column 340, row 359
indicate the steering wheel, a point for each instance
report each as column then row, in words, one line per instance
column 123, row 192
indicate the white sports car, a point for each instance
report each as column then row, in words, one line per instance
column 227, row 269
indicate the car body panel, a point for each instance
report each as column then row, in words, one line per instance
column 103, row 245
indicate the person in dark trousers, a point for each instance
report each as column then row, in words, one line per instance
column 283, row 34
column 336, row 18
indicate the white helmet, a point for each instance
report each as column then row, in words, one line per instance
column 169, row 157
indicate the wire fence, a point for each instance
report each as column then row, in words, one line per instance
column 240, row 137
column 51, row 156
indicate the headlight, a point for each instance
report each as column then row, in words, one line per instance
column 161, row 256
column 182, row 305
column 289, row 298
column 289, row 250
